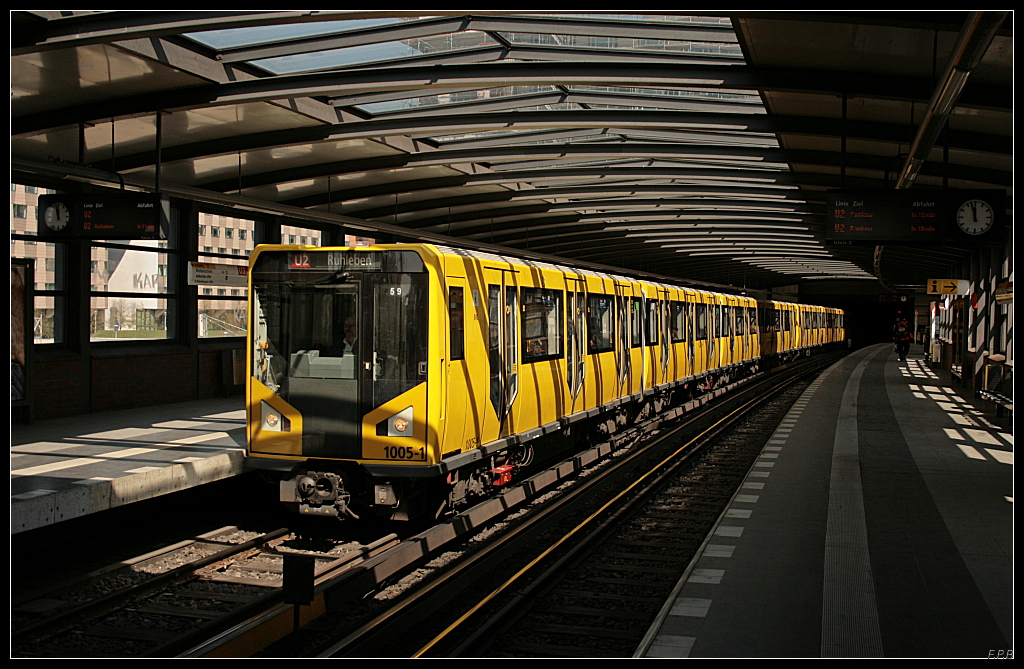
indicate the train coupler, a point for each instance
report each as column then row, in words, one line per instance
column 318, row 494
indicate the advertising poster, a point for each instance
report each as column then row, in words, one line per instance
column 21, row 333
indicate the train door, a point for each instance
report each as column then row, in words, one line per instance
column 326, row 379
column 714, row 324
column 743, row 330
column 754, row 340
column 728, row 334
column 691, row 324
column 576, row 338
column 664, row 314
column 623, row 321
column 653, row 339
column 637, row 357
column 459, row 407
column 701, row 344
column 503, row 347
column 602, row 380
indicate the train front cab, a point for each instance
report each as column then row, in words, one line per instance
column 319, row 400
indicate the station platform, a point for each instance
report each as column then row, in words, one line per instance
column 67, row 468
column 877, row 522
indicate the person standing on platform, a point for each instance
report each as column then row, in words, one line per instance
column 902, row 335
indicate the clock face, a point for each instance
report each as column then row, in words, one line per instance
column 975, row 217
column 57, row 216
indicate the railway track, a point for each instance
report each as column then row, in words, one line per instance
column 602, row 601
column 366, row 604
column 446, row 616
column 169, row 600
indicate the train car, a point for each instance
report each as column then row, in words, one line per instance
column 406, row 379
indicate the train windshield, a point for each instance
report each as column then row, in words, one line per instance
column 337, row 333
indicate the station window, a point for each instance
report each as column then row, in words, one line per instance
column 223, row 308
column 49, row 302
column 132, row 288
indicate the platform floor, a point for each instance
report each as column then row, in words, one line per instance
column 67, row 468
column 877, row 522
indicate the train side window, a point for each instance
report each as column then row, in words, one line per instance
column 701, row 321
column 677, row 322
column 542, row 324
column 636, row 319
column 600, row 323
column 651, row 321
column 456, row 313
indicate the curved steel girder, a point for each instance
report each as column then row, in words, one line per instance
column 540, row 214
column 698, row 268
column 749, row 158
column 728, row 156
column 780, row 187
column 416, row 79
column 583, row 234
column 486, row 229
column 436, row 125
column 769, row 181
column 646, row 259
column 466, row 207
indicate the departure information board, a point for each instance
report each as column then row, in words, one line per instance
column 937, row 216
column 122, row 215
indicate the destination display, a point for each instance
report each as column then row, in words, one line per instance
column 337, row 260
column 915, row 216
column 123, row 215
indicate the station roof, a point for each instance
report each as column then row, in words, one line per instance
column 698, row 147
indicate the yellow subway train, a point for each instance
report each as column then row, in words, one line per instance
column 405, row 379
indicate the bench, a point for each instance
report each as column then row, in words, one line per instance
column 1002, row 401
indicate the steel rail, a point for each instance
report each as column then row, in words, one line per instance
column 94, row 607
column 358, row 641
column 648, row 482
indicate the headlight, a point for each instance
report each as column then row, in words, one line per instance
column 397, row 425
column 273, row 419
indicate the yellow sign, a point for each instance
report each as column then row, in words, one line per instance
column 948, row 286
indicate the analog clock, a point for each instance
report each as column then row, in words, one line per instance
column 975, row 217
column 57, row 216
